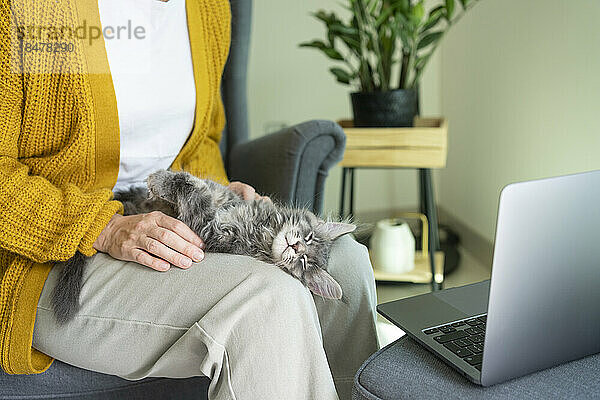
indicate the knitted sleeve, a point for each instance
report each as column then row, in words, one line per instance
column 44, row 223
column 39, row 220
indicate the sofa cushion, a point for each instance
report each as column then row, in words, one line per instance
column 406, row 370
column 63, row 381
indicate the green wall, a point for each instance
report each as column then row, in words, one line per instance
column 521, row 89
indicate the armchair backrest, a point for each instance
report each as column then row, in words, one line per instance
column 234, row 83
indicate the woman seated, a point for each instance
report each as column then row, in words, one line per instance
column 102, row 114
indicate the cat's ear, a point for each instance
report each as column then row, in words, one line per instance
column 323, row 284
column 333, row 230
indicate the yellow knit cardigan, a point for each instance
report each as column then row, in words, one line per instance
column 59, row 149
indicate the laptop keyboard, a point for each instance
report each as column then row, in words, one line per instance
column 464, row 338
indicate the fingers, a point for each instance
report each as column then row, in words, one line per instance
column 188, row 251
column 156, row 248
column 164, row 221
column 141, row 257
column 153, row 240
column 247, row 192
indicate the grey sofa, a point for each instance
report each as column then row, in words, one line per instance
column 406, row 370
column 290, row 165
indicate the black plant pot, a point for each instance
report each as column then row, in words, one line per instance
column 394, row 108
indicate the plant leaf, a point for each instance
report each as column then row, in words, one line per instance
column 404, row 6
column 341, row 75
column 323, row 16
column 436, row 10
column 343, row 29
column 417, row 13
column 333, row 54
column 372, row 6
column 348, row 34
column 434, row 18
column 352, row 43
column 317, row 44
column 429, row 39
column 421, row 62
column 329, row 51
column 449, row 9
column 404, row 36
column 384, row 16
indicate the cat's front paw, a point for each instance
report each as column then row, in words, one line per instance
column 161, row 185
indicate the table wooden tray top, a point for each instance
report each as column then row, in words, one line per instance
column 422, row 146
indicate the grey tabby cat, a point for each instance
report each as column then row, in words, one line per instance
column 293, row 239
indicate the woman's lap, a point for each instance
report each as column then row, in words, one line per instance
column 135, row 322
column 131, row 301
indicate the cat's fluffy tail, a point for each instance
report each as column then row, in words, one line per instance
column 65, row 298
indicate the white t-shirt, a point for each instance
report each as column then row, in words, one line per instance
column 153, row 78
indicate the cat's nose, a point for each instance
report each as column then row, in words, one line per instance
column 298, row 247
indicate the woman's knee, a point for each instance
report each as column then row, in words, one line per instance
column 349, row 262
column 278, row 288
column 279, row 301
column 348, row 249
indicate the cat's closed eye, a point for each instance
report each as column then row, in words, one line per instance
column 309, row 238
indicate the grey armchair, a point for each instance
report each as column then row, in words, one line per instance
column 290, row 165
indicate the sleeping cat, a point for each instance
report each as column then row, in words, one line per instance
column 293, row 239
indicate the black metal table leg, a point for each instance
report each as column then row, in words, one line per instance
column 422, row 193
column 345, row 173
column 351, row 192
column 428, row 201
column 343, row 195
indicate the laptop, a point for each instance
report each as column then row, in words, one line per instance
column 541, row 306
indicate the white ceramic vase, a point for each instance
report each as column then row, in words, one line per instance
column 393, row 247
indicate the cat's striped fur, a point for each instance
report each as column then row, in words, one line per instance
column 293, row 239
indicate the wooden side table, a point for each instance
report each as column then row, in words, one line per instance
column 423, row 147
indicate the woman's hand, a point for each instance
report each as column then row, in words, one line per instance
column 152, row 239
column 247, row 192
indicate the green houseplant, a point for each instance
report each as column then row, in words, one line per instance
column 382, row 50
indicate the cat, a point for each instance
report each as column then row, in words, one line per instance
column 291, row 238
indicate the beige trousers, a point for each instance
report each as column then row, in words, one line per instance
column 255, row 331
